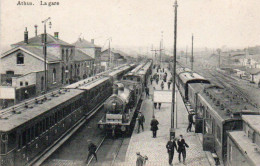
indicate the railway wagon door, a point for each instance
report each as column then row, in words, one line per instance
column 208, row 137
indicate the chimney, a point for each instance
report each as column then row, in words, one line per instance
column 35, row 26
column 56, row 35
column 92, row 41
column 26, row 35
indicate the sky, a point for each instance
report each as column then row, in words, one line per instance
column 138, row 23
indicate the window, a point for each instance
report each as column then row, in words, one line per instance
column 26, row 83
column 54, row 75
column 62, row 54
column 20, row 59
column 21, row 83
column 71, row 52
column 67, row 55
column 218, row 133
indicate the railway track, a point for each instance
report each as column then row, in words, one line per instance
column 107, row 151
column 230, row 83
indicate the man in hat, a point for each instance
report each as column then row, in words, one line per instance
column 171, row 144
column 91, row 150
column 141, row 121
column 154, row 126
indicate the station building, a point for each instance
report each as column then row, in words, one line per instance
column 22, row 67
column 92, row 50
column 243, row 147
column 116, row 58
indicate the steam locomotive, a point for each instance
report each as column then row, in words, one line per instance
column 122, row 105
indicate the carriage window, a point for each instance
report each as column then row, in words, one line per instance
column 43, row 125
column 47, row 123
column 24, row 138
column 37, row 130
column 4, row 140
column 138, row 79
column 11, row 141
column 56, row 117
column 32, row 133
column 28, row 135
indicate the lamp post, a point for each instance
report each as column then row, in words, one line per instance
column 45, row 51
column 172, row 130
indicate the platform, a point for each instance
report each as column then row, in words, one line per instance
column 155, row 148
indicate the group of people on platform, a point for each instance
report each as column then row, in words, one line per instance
column 173, row 144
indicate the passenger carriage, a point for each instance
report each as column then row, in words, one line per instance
column 221, row 111
column 30, row 128
column 186, row 78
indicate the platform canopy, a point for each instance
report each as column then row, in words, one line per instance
column 162, row 96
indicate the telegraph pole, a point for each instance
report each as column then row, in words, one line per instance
column 186, row 55
column 45, row 52
column 192, row 60
column 172, row 130
column 161, row 45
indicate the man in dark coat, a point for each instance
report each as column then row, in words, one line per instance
column 155, row 105
column 147, row 91
column 169, row 84
column 170, row 149
column 162, row 85
column 151, row 79
column 91, row 150
column 141, row 121
column 154, row 126
column 159, row 105
column 190, row 118
column 182, row 148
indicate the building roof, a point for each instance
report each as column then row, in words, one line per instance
column 246, row 146
column 253, row 121
column 36, row 51
column 82, row 43
column 81, row 56
column 37, row 40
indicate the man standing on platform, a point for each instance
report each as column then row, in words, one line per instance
column 190, row 118
column 162, row 85
column 147, row 91
column 169, row 84
column 155, row 105
column 141, row 121
column 170, row 149
column 182, row 148
column 154, row 126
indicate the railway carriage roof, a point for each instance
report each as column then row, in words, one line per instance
column 182, row 69
column 253, row 121
column 82, row 82
column 231, row 103
column 244, row 144
column 145, row 68
column 190, row 76
column 93, row 84
column 13, row 120
column 113, row 73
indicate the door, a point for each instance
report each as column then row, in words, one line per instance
column 208, row 136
